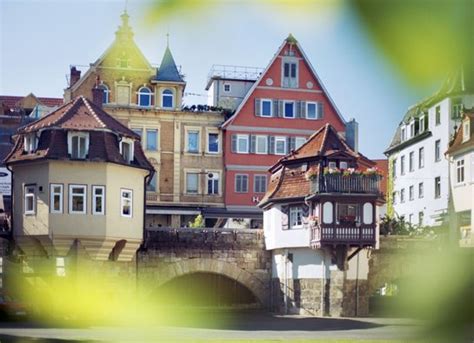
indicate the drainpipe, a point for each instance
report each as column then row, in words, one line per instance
column 10, row 234
column 285, row 281
column 323, row 278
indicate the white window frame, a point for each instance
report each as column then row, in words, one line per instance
column 235, row 183
column 72, row 194
column 403, row 134
column 421, row 190
column 402, row 195
column 437, row 150
column 124, row 199
column 302, row 140
column 106, row 93
column 131, row 148
column 285, row 102
column 94, row 200
column 437, row 196
column 196, row 172
column 295, row 213
column 246, row 138
column 317, row 116
column 466, row 131
column 421, row 157
column 411, row 193
column 149, row 93
column 261, row 108
column 332, row 165
column 212, row 132
column 280, row 139
column 52, row 194
column 412, row 129
column 343, row 165
column 421, row 126
column 216, row 175
column 227, row 90
column 167, row 95
column 193, row 130
column 151, row 129
column 80, row 135
column 460, row 171
column 411, row 161
column 27, row 193
column 263, row 139
column 30, row 143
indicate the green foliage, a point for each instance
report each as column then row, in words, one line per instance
column 198, row 222
column 396, row 225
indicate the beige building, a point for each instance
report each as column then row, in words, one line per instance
column 184, row 146
column 78, row 179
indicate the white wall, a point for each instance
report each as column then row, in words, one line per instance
column 238, row 89
column 463, row 193
column 307, row 264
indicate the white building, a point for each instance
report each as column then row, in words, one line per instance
column 461, row 161
column 419, row 171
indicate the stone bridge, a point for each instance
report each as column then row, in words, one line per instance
column 239, row 255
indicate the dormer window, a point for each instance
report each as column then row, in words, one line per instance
column 105, row 93
column 466, row 131
column 412, row 129
column 30, row 143
column 403, row 135
column 144, row 97
column 167, row 99
column 126, row 149
column 421, row 127
column 78, row 145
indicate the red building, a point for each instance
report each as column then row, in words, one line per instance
column 285, row 105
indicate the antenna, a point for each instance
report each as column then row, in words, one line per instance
column 126, row 5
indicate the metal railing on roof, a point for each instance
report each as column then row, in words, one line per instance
column 234, row 72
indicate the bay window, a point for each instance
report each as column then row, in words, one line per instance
column 77, row 199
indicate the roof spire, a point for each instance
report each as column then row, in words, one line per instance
column 168, row 70
column 168, row 39
column 124, row 31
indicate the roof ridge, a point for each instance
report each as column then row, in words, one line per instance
column 94, row 114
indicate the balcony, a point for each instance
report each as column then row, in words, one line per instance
column 338, row 183
column 352, row 235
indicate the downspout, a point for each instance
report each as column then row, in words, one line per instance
column 142, row 245
column 10, row 234
column 285, row 282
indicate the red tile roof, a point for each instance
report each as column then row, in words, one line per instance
column 12, row 101
column 457, row 143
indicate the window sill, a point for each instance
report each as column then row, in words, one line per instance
column 29, row 214
column 460, row 184
column 213, row 154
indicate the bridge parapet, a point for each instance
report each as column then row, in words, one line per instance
column 204, row 238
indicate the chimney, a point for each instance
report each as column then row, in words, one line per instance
column 352, row 134
column 97, row 93
column 75, row 76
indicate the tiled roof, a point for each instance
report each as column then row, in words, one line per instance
column 79, row 114
column 168, row 70
column 12, row 101
column 457, row 143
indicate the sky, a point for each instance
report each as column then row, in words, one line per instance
column 39, row 40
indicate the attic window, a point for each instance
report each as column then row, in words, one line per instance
column 466, row 131
column 78, row 144
column 30, row 143
column 126, row 149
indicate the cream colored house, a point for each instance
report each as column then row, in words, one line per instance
column 78, row 179
column 184, row 146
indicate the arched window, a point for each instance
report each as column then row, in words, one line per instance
column 144, row 97
column 167, row 99
column 105, row 94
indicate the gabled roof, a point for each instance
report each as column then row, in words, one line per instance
column 15, row 101
column 292, row 40
column 457, row 143
column 168, row 70
column 79, row 114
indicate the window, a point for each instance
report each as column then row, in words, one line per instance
column 213, row 183
column 30, row 143
column 368, row 213
column 296, row 217
column 213, row 143
column 105, row 93
column 151, row 140
column 312, row 111
column 167, row 99
column 193, row 141
column 242, row 144
column 402, row 165
column 98, row 200
column 126, row 149
column 30, row 199
column 290, row 72
column 460, row 171
column 410, row 218
column 402, row 195
column 394, row 168
column 289, row 109
column 403, row 134
column 438, row 187
column 394, row 198
column 60, row 266
column 241, row 183
column 343, row 165
column 412, row 129
column 327, row 213
column 347, row 214
column 332, row 165
column 260, row 184
column 421, row 128
column 420, row 218
column 78, row 144
column 421, row 157
column 138, row 131
column 411, row 161
column 438, row 150
column 192, row 183
column 126, row 202
column 151, row 186
column 144, row 97
column 266, row 108
column 56, row 198
column 280, row 145
column 421, row 191
column 261, row 145
column 226, row 87
column 77, row 199
column 299, row 141
column 457, row 109
column 438, row 115
column 411, row 192
column 466, row 131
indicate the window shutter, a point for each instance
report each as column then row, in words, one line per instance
column 305, row 210
column 291, row 144
column 303, row 109
column 253, row 143
column 275, row 112
column 280, row 108
column 257, row 107
column 284, row 217
column 320, row 110
column 298, row 109
column 234, row 143
column 271, row 144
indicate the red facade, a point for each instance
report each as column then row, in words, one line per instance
column 299, row 106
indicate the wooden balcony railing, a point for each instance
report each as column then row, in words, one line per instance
column 363, row 235
column 331, row 183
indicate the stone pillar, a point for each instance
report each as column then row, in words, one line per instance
column 175, row 220
column 335, row 293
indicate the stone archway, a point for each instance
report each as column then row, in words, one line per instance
column 206, row 265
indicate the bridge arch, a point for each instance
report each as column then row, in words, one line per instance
column 170, row 271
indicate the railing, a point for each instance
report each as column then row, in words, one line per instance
column 234, row 72
column 364, row 184
column 342, row 234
